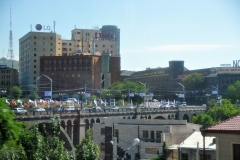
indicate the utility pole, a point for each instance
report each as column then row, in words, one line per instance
column 114, row 148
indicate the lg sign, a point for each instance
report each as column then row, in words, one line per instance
column 39, row 27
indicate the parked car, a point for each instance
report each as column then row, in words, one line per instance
column 58, row 109
column 142, row 107
column 106, row 107
column 184, row 104
column 97, row 109
column 115, row 107
column 87, row 108
column 39, row 110
column 19, row 111
column 130, row 108
column 69, row 108
column 157, row 106
column 204, row 105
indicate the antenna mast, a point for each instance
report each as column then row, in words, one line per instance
column 10, row 49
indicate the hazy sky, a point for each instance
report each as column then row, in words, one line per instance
column 203, row 33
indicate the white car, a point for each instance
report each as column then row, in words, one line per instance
column 19, row 111
column 69, row 108
column 39, row 110
column 130, row 107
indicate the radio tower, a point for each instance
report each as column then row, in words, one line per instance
column 10, row 49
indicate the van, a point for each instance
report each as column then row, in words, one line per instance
column 71, row 100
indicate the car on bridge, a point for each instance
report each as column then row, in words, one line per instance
column 130, row 108
column 115, row 107
column 39, row 110
column 58, row 109
column 69, row 108
column 142, row 107
column 98, row 109
column 19, row 111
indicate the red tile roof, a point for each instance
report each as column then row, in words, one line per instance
column 231, row 124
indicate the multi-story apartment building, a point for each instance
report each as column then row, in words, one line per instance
column 83, row 41
column 8, row 79
column 71, row 74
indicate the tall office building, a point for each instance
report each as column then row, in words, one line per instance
column 33, row 45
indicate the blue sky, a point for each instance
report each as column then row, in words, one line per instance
column 153, row 32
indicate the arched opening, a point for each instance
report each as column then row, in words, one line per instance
column 149, row 117
column 63, row 124
column 186, row 117
column 169, row 117
column 159, row 117
column 129, row 118
column 69, row 128
column 87, row 124
column 176, row 116
column 172, row 116
column 98, row 120
column 91, row 124
column 75, row 132
column 124, row 117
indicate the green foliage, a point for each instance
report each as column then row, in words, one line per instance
column 119, row 91
column 36, row 145
column 87, row 150
column 216, row 114
column 212, row 103
column 89, row 134
column 9, row 129
column 233, row 92
column 33, row 96
column 194, row 81
column 16, row 92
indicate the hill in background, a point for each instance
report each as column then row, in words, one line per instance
column 8, row 63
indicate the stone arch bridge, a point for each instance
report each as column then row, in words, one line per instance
column 75, row 123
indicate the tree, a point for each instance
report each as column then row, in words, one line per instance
column 164, row 151
column 87, row 150
column 216, row 114
column 194, row 81
column 212, row 103
column 40, row 142
column 119, row 91
column 16, row 92
column 233, row 92
column 33, row 92
column 10, row 129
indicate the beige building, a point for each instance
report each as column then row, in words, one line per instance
column 152, row 134
column 33, row 45
column 227, row 135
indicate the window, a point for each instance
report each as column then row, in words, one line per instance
column 59, row 49
column 34, row 72
column 103, row 131
column 34, row 66
column 43, row 49
column 151, row 150
column 51, row 44
column 78, row 32
column 35, row 43
column 51, row 49
column 96, row 45
column 70, row 44
column 158, row 136
column 145, row 134
column 103, row 46
column 102, row 148
column 111, row 46
column 70, row 49
column 35, row 49
column 35, row 60
column 35, row 55
column 35, row 37
column 236, row 151
column 43, row 37
column 152, row 134
column 184, row 156
column 43, row 43
column 51, row 38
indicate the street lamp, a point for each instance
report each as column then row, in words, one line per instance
column 3, row 92
column 51, row 83
column 183, row 91
column 81, row 93
column 37, row 80
column 134, row 143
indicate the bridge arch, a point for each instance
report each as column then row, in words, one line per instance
column 98, row 120
column 124, row 117
column 63, row 124
column 75, row 132
column 69, row 128
column 149, row 117
column 87, row 124
column 92, row 121
column 129, row 118
column 159, row 117
column 186, row 117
